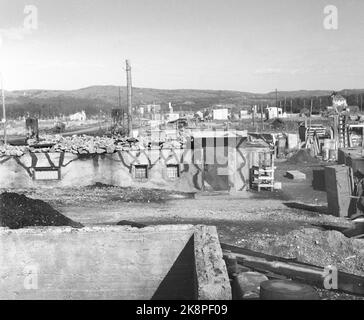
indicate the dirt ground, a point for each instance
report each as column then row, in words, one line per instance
column 259, row 221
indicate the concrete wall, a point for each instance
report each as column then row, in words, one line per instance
column 113, row 169
column 115, row 262
column 227, row 169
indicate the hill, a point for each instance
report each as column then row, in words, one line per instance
column 47, row 103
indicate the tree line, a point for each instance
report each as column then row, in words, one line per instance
column 55, row 107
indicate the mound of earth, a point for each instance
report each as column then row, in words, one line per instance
column 18, row 211
column 302, row 156
column 131, row 224
column 314, row 246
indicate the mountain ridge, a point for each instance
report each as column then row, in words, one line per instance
column 94, row 99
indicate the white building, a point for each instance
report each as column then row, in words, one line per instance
column 172, row 116
column 78, row 116
column 274, row 112
column 199, row 115
column 338, row 101
column 244, row 114
column 220, row 114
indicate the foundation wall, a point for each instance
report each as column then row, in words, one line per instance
column 115, row 262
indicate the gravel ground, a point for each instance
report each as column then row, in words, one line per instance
column 260, row 221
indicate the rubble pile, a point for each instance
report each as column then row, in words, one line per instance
column 314, row 246
column 302, row 156
column 87, row 145
column 7, row 150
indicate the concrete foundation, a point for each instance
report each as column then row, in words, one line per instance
column 113, row 262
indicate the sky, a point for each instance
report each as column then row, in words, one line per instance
column 244, row 45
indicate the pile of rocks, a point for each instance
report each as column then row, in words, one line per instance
column 7, row 150
column 87, row 145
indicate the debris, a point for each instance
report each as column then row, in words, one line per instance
column 302, row 156
column 131, row 224
column 308, row 207
column 306, row 272
column 18, row 211
column 286, row 290
column 85, row 144
column 295, row 175
column 246, row 285
column 8, row 150
column 277, row 124
column 233, row 268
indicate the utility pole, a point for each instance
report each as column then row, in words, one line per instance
column 310, row 113
column 261, row 116
column 361, row 103
column 119, row 99
column 4, row 110
column 276, row 98
column 291, row 106
column 253, row 115
column 285, row 102
column 128, row 81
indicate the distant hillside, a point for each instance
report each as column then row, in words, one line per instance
column 48, row 103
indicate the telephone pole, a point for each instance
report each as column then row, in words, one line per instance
column 4, row 110
column 128, row 81
column 311, row 112
column 119, row 99
column 285, row 102
column 276, row 98
column 261, row 116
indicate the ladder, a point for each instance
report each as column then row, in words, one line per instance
column 342, row 132
column 262, row 175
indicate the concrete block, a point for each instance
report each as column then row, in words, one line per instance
column 293, row 141
column 338, row 190
column 277, row 185
column 246, row 285
column 295, row 175
column 212, row 277
column 113, row 262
